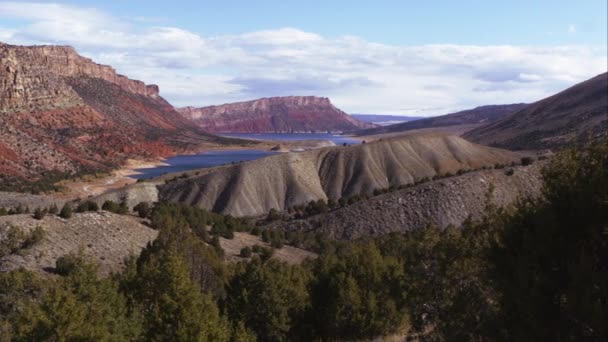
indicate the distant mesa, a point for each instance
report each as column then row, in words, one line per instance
column 290, row 114
column 568, row 117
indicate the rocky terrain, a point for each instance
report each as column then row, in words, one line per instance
column 442, row 202
column 274, row 115
column 569, row 116
column 61, row 113
column 469, row 118
column 104, row 237
column 285, row 180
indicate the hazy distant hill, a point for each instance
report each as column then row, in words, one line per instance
column 570, row 115
column 385, row 120
column 479, row 115
column 274, row 115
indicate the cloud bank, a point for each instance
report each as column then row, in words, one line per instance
column 358, row 75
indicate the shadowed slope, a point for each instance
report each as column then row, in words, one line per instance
column 475, row 116
column 553, row 122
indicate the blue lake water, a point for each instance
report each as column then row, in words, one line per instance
column 336, row 139
column 199, row 161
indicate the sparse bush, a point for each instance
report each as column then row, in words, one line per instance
column 35, row 236
column 53, row 209
column 142, row 209
column 266, row 253
column 39, row 214
column 110, row 206
column 66, row 211
column 3, row 212
column 273, row 215
column 525, row 161
column 509, row 172
column 245, row 252
column 66, row 264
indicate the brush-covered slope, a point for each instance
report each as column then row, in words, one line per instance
column 571, row 115
column 448, row 201
column 63, row 113
column 475, row 116
column 274, row 115
column 285, row 180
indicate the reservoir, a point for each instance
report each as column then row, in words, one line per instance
column 335, row 138
column 201, row 160
column 183, row 163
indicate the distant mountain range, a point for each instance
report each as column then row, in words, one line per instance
column 385, row 120
column 287, row 114
column 476, row 116
column 569, row 116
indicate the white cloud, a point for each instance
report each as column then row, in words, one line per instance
column 358, row 75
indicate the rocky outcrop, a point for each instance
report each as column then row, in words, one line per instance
column 274, row 115
column 30, row 75
column 570, row 116
column 61, row 113
column 286, row 180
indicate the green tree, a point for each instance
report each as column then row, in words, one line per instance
column 78, row 307
column 270, row 298
column 550, row 265
column 174, row 307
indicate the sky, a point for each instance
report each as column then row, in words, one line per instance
column 419, row 58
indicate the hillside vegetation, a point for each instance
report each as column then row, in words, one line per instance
column 533, row 271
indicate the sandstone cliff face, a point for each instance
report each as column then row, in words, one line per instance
column 62, row 112
column 286, row 180
column 30, row 74
column 274, row 115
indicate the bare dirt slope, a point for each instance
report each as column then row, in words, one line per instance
column 442, row 202
column 105, row 237
column 282, row 181
column 570, row 115
column 232, row 249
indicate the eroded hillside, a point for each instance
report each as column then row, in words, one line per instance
column 283, row 181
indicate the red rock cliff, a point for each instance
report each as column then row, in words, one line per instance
column 275, row 114
column 28, row 74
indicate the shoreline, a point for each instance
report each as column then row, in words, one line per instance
column 94, row 185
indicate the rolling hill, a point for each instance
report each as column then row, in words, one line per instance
column 476, row 116
column 569, row 116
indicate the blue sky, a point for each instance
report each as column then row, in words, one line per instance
column 393, row 57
